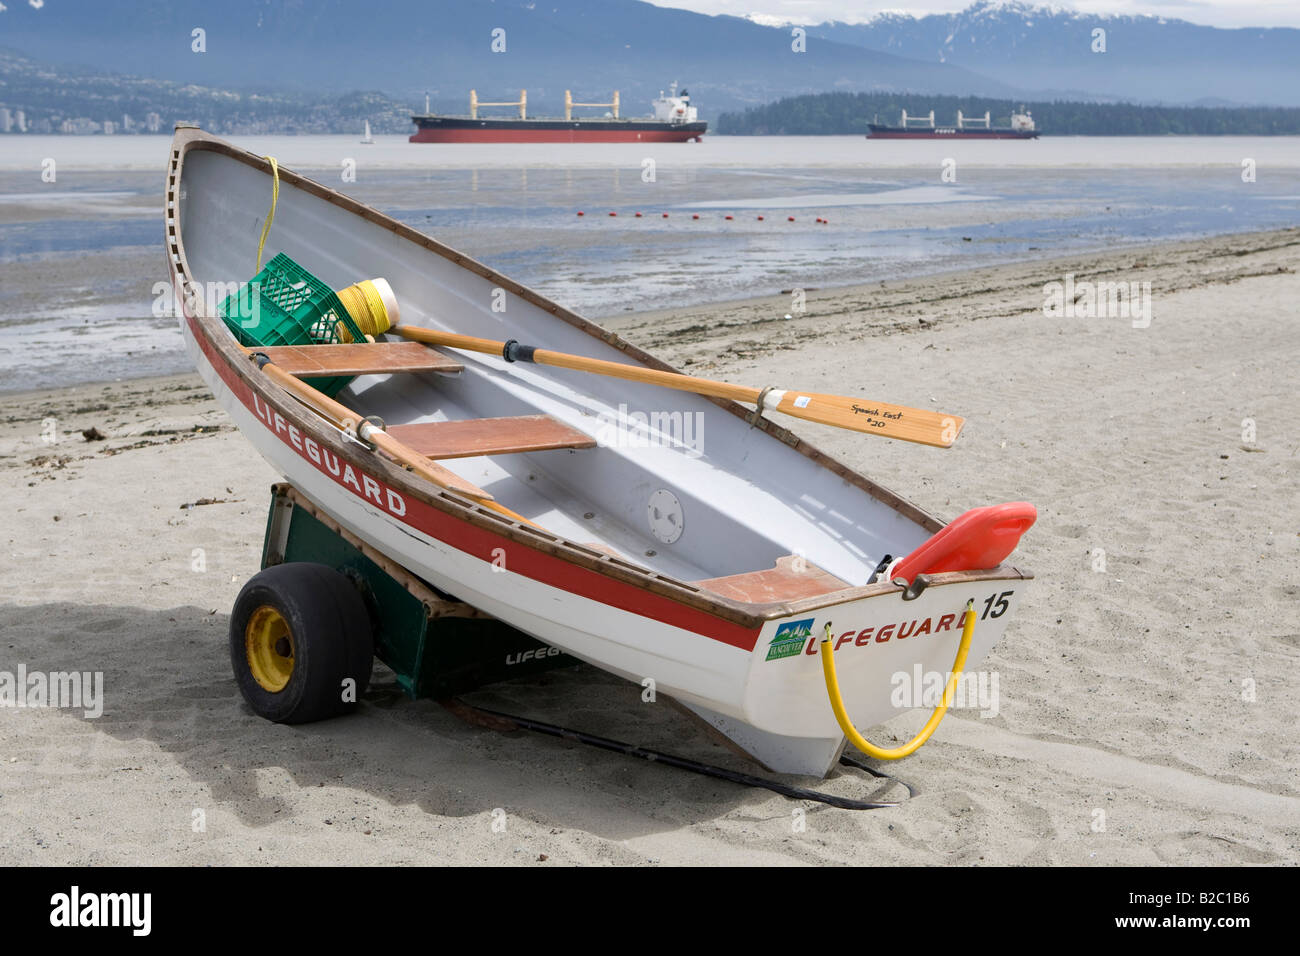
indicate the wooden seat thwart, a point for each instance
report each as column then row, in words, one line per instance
column 791, row 580
column 371, row 358
column 489, row 436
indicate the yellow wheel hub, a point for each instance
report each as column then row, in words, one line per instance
column 269, row 648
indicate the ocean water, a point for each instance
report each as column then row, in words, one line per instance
column 80, row 257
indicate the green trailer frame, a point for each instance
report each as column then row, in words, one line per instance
column 438, row 647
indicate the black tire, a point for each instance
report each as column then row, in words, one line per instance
column 329, row 640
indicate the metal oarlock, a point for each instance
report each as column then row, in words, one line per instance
column 367, row 427
column 758, row 408
column 913, row 590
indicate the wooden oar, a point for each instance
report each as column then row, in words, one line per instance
column 874, row 418
column 352, row 423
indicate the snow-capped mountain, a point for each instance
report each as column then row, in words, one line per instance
column 1055, row 48
column 447, row 47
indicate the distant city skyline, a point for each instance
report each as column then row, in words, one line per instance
column 1217, row 13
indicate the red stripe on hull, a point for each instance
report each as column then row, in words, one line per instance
column 482, row 543
column 551, row 136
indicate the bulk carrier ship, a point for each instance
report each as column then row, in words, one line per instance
column 979, row 127
column 674, row 121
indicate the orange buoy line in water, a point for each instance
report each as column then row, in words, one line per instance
column 728, row 217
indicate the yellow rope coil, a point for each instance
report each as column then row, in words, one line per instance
column 366, row 306
column 913, row 745
column 270, row 216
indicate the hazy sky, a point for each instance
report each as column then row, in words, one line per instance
column 1219, row 13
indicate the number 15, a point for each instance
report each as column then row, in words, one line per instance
column 1001, row 605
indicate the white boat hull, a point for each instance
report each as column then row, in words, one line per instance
column 777, row 710
column 733, row 665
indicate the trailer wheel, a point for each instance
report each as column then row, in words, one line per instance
column 301, row 643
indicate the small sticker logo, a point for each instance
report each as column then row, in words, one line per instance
column 802, row 401
column 789, row 639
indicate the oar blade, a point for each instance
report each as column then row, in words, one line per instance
column 874, row 418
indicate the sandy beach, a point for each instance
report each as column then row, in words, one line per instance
column 1148, row 690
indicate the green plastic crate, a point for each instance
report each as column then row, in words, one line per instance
column 293, row 307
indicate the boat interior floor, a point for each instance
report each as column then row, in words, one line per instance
column 426, row 417
column 510, row 457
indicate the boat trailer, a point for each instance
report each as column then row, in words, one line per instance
column 441, row 648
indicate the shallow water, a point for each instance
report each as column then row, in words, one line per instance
column 80, row 257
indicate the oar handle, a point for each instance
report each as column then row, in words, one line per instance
column 513, row 351
column 449, row 339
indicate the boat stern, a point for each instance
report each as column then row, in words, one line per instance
column 894, row 653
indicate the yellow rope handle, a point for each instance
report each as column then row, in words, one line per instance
column 275, row 197
column 913, row 745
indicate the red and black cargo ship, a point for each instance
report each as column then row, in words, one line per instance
column 674, row 121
